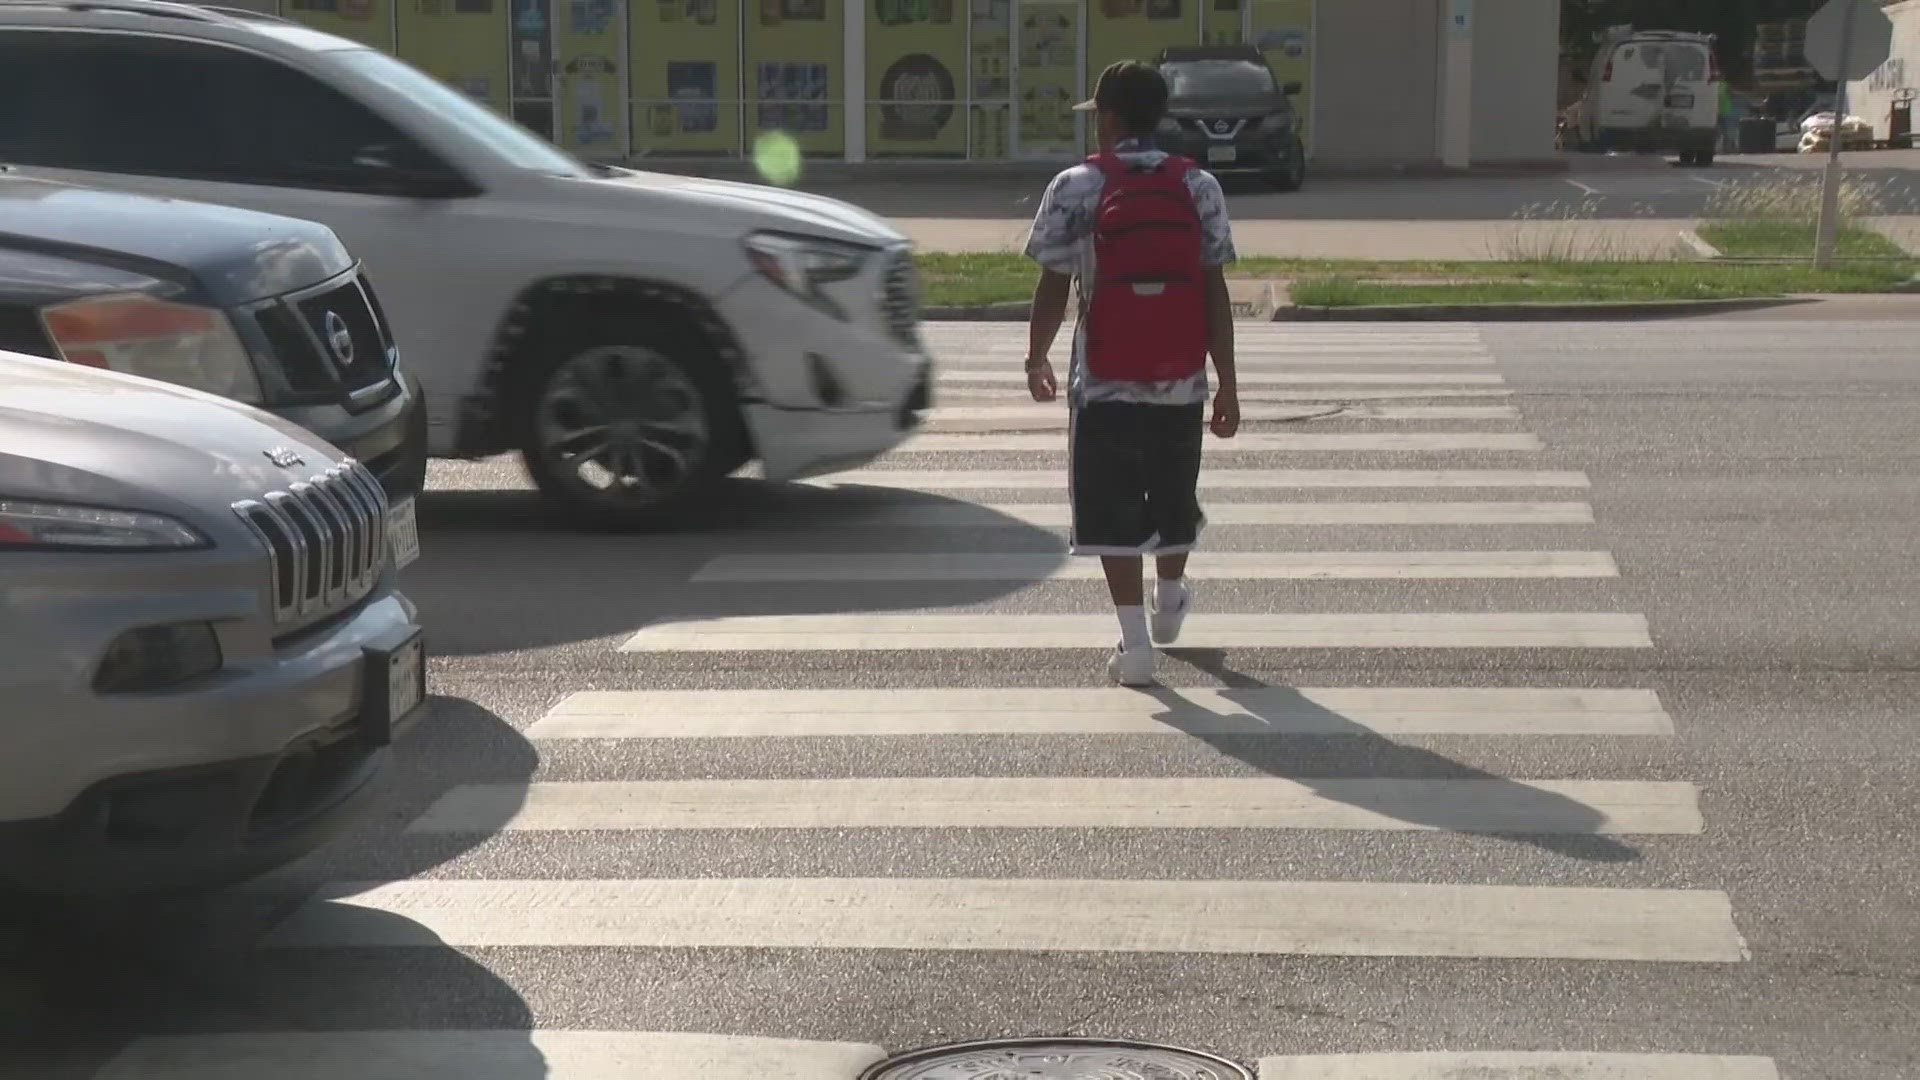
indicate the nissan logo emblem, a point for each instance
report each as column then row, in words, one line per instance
column 1220, row 126
column 339, row 338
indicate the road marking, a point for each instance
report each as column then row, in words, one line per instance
column 1211, row 479
column 1576, row 807
column 1252, row 917
column 1400, row 630
column 1400, row 442
column 1502, row 1065
column 1585, row 189
column 1056, row 415
column 1396, row 355
column 483, row 1055
column 1215, row 566
column 947, row 515
column 1266, row 711
column 990, row 394
column 1014, row 376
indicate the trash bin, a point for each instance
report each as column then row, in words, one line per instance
column 1756, row 135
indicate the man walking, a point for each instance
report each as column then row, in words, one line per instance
column 1145, row 235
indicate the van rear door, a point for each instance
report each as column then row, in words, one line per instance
column 1634, row 85
column 1691, row 98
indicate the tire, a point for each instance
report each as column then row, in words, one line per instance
column 1292, row 175
column 1704, row 156
column 620, row 417
column 1688, row 158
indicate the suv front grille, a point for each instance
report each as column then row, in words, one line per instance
column 326, row 540
column 899, row 298
column 349, row 336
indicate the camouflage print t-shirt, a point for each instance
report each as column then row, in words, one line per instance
column 1062, row 241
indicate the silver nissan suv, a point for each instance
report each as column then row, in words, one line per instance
column 203, row 656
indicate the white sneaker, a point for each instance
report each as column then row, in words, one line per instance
column 1131, row 668
column 1166, row 624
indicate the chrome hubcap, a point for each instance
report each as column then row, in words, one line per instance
column 623, row 424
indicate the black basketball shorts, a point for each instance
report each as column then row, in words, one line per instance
column 1133, row 473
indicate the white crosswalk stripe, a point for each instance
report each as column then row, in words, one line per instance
column 697, row 691
column 1212, row 480
column 753, row 714
column 1220, row 566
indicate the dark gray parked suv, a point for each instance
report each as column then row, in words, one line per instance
column 1227, row 112
column 266, row 310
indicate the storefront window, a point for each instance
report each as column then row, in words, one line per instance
column 1138, row 30
column 463, row 43
column 686, row 77
column 794, row 83
column 990, row 48
column 369, row 22
column 1221, row 21
column 1048, row 79
column 591, row 44
column 532, row 64
column 916, row 50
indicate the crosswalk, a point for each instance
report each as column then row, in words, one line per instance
column 1352, row 432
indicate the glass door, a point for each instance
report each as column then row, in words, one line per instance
column 1048, row 76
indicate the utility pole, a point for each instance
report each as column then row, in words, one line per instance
column 1829, row 229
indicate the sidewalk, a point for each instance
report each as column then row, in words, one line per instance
column 1357, row 239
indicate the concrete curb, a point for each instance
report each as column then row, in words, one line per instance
column 1633, row 310
column 1016, row 311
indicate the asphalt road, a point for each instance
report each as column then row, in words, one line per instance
column 1740, row 886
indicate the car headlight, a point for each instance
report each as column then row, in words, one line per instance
column 1277, row 124
column 137, row 334
column 156, row 657
column 92, row 528
column 1168, row 127
column 803, row 265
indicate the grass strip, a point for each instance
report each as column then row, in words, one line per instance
column 1793, row 239
column 982, row 278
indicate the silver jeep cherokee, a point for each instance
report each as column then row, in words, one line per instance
column 203, row 656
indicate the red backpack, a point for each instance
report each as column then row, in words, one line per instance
column 1147, row 312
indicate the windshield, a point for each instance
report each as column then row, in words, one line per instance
column 1217, row 78
column 516, row 144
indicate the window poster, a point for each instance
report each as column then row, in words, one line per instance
column 369, row 22
column 916, row 58
column 588, row 56
column 1048, row 82
column 685, row 57
column 460, row 42
column 793, row 50
column 1283, row 29
column 1222, row 20
column 1137, row 30
column 991, row 72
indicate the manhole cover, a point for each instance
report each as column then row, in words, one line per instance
column 1055, row 1059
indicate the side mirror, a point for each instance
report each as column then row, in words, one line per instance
column 1292, row 89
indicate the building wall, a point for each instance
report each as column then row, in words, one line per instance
column 1376, row 75
column 1872, row 98
column 1516, row 59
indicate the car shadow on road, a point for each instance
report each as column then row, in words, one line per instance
column 198, row 987
column 1343, row 749
column 502, row 571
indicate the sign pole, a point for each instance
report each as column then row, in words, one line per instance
column 1828, row 233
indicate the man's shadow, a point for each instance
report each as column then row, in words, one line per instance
column 1328, row 751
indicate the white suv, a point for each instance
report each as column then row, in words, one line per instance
column 635, row 336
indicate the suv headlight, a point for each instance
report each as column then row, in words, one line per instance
column 1168, row 126
column 92, row 528
column 802, row 265
column 137, row 334
column 1277, row 123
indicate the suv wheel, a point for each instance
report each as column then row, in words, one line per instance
column 620, row 421
column 1292, row 173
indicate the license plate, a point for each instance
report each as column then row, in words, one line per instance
column 396, row 688
column 1219, row 154
column 403, row 533
column 1679, row 101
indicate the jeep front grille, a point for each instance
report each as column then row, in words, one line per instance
column 326, row 540
column 899, row 298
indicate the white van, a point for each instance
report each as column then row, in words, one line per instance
column 633, row 336
column 1654, row 90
